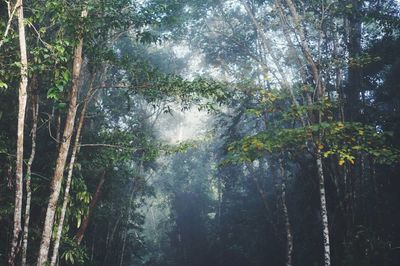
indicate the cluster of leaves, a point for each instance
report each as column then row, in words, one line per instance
column 73, row 253
column 343, row 140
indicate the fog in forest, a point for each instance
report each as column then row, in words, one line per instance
column 200, row 132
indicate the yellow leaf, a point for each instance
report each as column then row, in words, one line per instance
column 341, row 162
column 320, row 146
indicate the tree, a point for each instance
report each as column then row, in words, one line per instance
column 56, row 180
column 22, row 99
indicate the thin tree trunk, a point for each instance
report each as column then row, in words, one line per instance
column 288, row 227
column 284, row 82
column 121, row 261
column 299, row 31
column 219, row 220
column 82, row 229
column 110, row 238
column 264, row 198
column 22, row 98
column 354, row 72
column 58, row 129
column 93, row 242
column 56, row 180
column 35, row 113
column 10, row 18
column 107, row 241
column 320, row 90
column 75, row 151
column 132, row 191
column 324, row 210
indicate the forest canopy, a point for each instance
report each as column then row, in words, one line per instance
column 200, row 133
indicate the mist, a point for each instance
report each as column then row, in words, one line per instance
column 199, row 133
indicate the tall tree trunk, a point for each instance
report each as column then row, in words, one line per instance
column 75, row 151
column 93, row 243
column 110, row 239
column 288, row 226
column 22, row 98
column 35, row 113
column 132, row 192
column 324, row 209
column 319, row 92
column 121, row 261
column 263, row 195
column 82, row 229
column 56, row 180
column 354, row 84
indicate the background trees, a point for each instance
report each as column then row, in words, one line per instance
column 291, row 159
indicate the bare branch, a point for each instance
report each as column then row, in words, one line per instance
column 9, row 21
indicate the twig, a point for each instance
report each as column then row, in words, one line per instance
column 107, row 145
column 9, row 21
column 39, row 37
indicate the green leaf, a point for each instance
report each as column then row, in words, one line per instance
column 78, row 221
column 3, row 85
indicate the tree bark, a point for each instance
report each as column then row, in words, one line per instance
column 75, row 151
column 263, row 196
column 22, row 99
column 82, row 229
column 354, row 84
column 324, row 209
column 56, row 180
column 132, row 192
column 121, row 261
column 288, row 226
column 35, row 113
column 93, row 243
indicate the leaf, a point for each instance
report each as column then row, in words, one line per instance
column 341, row 162
column 3, row 85
column 78, row 222
column 66, row 75
column 61, row 106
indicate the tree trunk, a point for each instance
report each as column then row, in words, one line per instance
column 22, row 98
column 299, row 31
column 324, row 210
column 132, row 192
column 110, row 238
column 121, row 261
column 354, row 84
column 93, row 242
column 56, row 180
column 263, row 196
column 265, row 43
column 288, row 227
column 35, row 113
column 319, row 92
column 75, row 151
column 82, row 229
